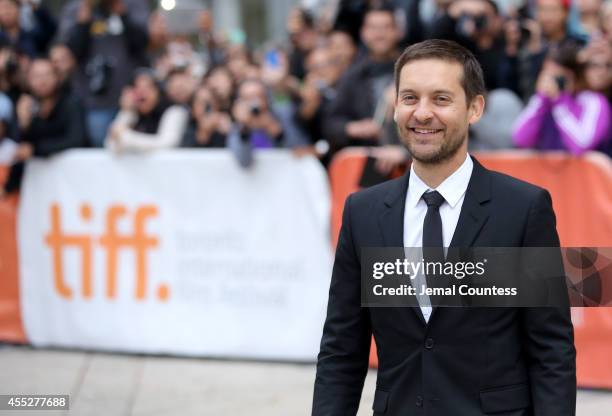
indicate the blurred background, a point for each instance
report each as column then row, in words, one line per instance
column 173, row 175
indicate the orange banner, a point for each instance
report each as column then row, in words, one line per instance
column 11, row 329
column 581, row 189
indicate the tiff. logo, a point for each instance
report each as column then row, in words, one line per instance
column 112, row 242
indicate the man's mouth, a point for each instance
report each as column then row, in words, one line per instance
column 425, row 131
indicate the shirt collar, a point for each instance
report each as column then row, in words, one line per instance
column 452, row 188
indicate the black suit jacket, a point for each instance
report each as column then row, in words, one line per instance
column 465, row 361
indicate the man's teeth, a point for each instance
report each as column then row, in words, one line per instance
column 425, row 131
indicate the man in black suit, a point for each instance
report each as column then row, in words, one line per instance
column 444, row 361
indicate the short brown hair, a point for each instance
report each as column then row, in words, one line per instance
column 447, row 50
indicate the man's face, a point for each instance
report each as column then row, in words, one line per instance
column 63, row 60
column 380, row 33
column 552, row 16
column 180, row 88
column 431, row 110
column 321, row 65
column 42, row 79
column 9, row 13
column 253, row 94
column 342, row 47
column 220, row 81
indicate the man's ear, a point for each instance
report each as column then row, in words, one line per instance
column 476, row 109
column 395, row 116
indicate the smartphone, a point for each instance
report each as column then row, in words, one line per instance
column 272, row 58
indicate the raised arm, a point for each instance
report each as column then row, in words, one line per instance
column 169, row 133
column 528, row 126
column 583, row 122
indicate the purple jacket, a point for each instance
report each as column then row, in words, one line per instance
column 573, row 123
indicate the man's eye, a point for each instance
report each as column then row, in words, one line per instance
column 409, row 98
column 443, row 99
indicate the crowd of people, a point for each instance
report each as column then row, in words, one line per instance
column 113, row 74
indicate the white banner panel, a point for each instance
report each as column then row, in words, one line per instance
column 179, row 252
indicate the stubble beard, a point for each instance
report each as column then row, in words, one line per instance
column 447, row 150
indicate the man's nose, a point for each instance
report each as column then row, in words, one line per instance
column 423, row 112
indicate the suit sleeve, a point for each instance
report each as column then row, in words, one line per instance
column 345, row 346
column 548, row 331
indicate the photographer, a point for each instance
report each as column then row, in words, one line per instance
column 563, row 114
column 360, row 114
column 255, row 126
column 548, row 30
column 108, row 39
column 208, row 126
column 50, row 119
column 317, row 92
column 222, row 84
column 478, row 25
column 11, row 78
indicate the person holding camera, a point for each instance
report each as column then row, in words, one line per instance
column 50, row 120
column 479, row 26
column 360, row 113
column 563, row 114
column 209, row 125
column 317, row 91
column 109, row 41
column 547, row 29
column 255, row 126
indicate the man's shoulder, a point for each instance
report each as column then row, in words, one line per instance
column 508, row 187
column 385, row 191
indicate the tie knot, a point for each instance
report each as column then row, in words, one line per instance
column 433, row 199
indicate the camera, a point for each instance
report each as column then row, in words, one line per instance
column 561, row 82
column 479, row 21
column 99, row 71
column 255, row 109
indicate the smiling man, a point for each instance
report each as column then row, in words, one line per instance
column 443, row 361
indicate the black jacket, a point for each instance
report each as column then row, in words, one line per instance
column 465, row 361
column 63, row 129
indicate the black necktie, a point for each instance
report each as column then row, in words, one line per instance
column 433, row 244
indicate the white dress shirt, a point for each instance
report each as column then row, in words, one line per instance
column 453, row 190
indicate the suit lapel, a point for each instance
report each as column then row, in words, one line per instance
column 391, row 221
column 475, row 211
